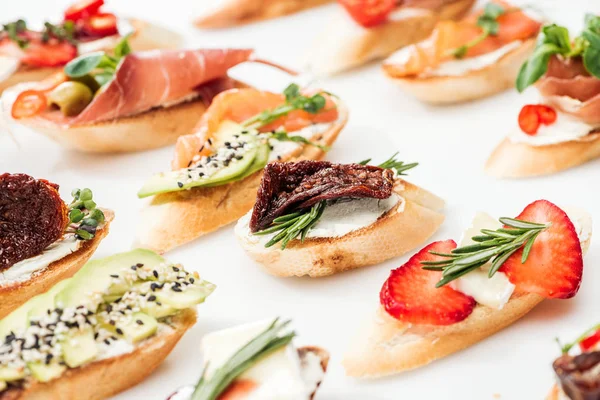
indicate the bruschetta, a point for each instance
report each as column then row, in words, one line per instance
column 316, row 218
column 100, row 332
column 257, row 361
column 363, row 31
column 562, row 130
column 578, row 375
column 447, row 298
column 125, row 102
column 469, row 59
column 227, row 13
column 216, row 171
column 28, row 55
column 43, row 240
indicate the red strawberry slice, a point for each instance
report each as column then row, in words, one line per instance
column 555, row 264
column 410, row 294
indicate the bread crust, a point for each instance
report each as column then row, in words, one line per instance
column 41, row 281
column 102, row 379
column 520, row 160
column 367, row 44
column 240, row 12
column 411, row 221
column 473, row 85
column 172, row 219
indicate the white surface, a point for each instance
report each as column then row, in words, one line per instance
column 451, row 144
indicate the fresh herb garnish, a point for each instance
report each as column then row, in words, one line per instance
column 62, row 32
column 283, row 136
column 14, row 31
column 493, row 245
column 84, row 217
column 565, row 348
column 555, row 40
column 488, row 22
column 270, row 340
column 299, row 223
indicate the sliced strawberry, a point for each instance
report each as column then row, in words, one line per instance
column 410, row 295
column 555, row 264
column 51, row 54
column 590, row 342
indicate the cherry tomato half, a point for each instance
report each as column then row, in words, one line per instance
column 369, row 13
column 104, row 24
column 28, row 104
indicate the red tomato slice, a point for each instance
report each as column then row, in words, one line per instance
column 590, row 342
column 28, row 104
column 547, row 114
column 104, row 24
column 369, row 13
column 83, row 9
column 51, row 54
column 529, row 119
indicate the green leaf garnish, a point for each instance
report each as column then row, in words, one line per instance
column 283, row 136
column 495, row 246
column 84, row 217
column 567, row 347
column 268, row 341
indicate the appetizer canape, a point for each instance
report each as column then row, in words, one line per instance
column 124, row 101
column 316, row 218
column 367, row 30
column 101, row 331
column 257, row 361
column 217, row 170
column 468, row 59
column 227, row 13
column 29, row 55
column 578, row 376
column 563, row 129
column 446, row 298
column 42, row 239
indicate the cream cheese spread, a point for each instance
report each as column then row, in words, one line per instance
column 566, row 128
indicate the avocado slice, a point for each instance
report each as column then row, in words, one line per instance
column 95, row 276
column 190, row 297
column 174, row 181
column 139, row 328
column 46, row 372
column 260, row 161
column 79, row 348
column 9, row 374
column 155, row 310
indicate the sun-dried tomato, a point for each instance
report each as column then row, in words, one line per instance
column 578, row 375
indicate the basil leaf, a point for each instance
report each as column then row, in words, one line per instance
column 558, row 36
column 536, row 66
column 591, row 60
column 103, row 77
column 83, row 64
column 592, row 22
column 123, row 48
column 593, row 38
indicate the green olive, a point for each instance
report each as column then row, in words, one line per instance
column 71, row 97
column 88, row 81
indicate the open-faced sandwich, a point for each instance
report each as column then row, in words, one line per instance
column 124, row 101
column 446, row 298
column 467, row 59
column 578, row 375
column 30, row 55
column 43, row 240
column 217, row 170
column 257, row 361
column 227, row 13
column 367, row 30
column 563, row 129
column 101, row 331
column 317, row 218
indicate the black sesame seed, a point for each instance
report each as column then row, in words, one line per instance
column 96, row 335
column 200, row 173
column 175, row 269
column 119, row 331
column 153, row 286
column 201, row 148
column 192, row 280
column 114, row 276
column 139, row 322
column 155, row 273
column 133, row 267
column 106, row 341
column 152, row 298
column 139, row 265
column 176, row 289
column 227, row 144
column 158, row 303
column 113, row 323
column 278, row 157
column 209, row 141
column 180, row 184
column 271, row 147
column 244, row 132
column 109, row 308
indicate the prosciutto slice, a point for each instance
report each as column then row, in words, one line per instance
column 289, row 186
column 149, row 79
column 568, row 87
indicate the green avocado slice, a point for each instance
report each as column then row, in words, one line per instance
column 261, row 160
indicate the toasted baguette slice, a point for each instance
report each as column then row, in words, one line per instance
column 519, row 160
column 17, row 293
column 105, row 378
column 386, row 346
column 345, row 44
column 172, row 219
column 474, row 84
column 240, row 12
column 147, row 36
column 413, row 220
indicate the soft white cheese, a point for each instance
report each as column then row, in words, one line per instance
column 56, row 251
column 582, row 220
column 492, row 292
column 564, row 129
column 124, row 27
column 115, row 348
column 281, row 148
column 281, row 375
column 8, row 66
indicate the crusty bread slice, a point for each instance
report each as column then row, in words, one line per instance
column 335, row 51
column 147, row 36
column 474, row 84
column 407, row 225
column 386, row 346
column 239, row 12
column 102, row 379
column 17, row 293
column 172, row 219
column 520, row 160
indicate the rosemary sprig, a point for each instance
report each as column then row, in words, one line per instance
column 565, row 348
column 493, row 245
column 391, row 163
column 262, row 345
column 14, row 31
column 84, row 217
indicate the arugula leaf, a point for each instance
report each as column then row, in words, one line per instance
column 123, row 48
column 592, row 22
column 283, row 136
column 84, row 64
column 291, row 92
column 100, row 65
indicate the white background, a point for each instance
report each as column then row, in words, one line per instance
column 450, row 143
